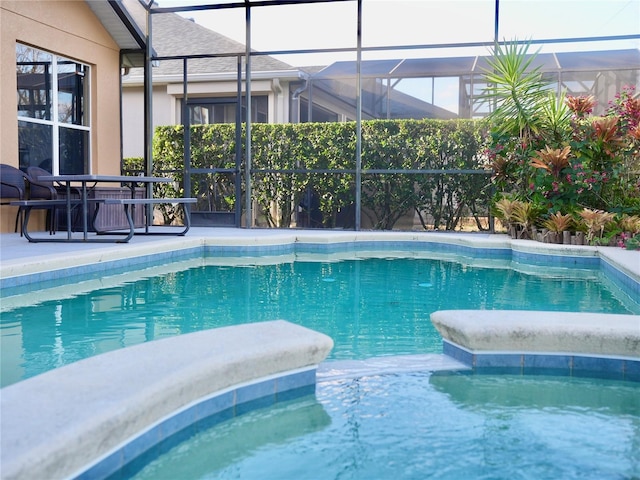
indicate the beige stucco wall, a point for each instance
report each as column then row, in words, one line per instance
column 164, row 113
column 167, row 103
column 133, row 117
column 70, row 29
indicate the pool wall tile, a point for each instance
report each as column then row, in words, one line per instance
column 167, row 443
column 255, row 391
column 204, row 414
column 178, row 422
column 632, row 370
column 623, row 281
column 458, row 353
column 255, row 404
column 295, row 380
column 215, row 405
column 556, row 260
column 537, row 363
column 215, row 419
column 103, row 469
column 51, row 278
column 141, row 444
column 596, row 364
column 295, row 393
column 559, row 362
column 502, row 360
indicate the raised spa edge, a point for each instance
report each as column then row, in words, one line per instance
column 529, row 342
column 91, row 418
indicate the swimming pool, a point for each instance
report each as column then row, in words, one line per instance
column 499, row 254
column 419, row 425
column 372, row 303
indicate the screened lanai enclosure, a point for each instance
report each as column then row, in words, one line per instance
column 357, row 114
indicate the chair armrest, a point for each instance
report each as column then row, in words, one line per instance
column 42, row 190
column 19, row 192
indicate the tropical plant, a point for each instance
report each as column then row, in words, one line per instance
column 555, row 119
column 581, row 105
column 552, row 160
column 631, row 243
column 558, row 222
column 595, row 222
column 626, row 107
column 504, row 209
column 525, row 215
column 630, row 224
column 517, row 89
column 551, row 151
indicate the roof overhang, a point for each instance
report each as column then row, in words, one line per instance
column 286, row 75
column 123, row 28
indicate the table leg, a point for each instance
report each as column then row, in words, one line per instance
column 132, row 227
column 69, row 227
column 85, row 210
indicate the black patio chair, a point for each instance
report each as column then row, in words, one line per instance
column 16, row 185
column 13, row 186
column 41, row 188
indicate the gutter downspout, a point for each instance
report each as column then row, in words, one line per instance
column 296, row 95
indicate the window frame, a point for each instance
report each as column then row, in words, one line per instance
column 258, row 104
column 58, row 127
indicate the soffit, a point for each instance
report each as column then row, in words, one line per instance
column 120, row 24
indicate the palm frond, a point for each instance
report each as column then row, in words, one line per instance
column 516, row 87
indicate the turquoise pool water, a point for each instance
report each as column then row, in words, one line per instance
column 417, row 426
column 370, row 306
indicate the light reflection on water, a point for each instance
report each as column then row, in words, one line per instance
column 369, row 306
column 421, row 425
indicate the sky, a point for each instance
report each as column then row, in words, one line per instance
column 420, row 22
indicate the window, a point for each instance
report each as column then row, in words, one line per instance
column 318, row 113
column 53, row 113
column 223, row 110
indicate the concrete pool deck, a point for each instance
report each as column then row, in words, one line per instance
column 19, row 257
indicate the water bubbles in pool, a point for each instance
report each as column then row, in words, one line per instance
column 425, row 284
column 328, row 279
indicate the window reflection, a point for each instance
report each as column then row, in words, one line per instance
column 53, row 116
column 34, row 144
column 33, row 69
column 73, row 150
column 223, row 110
column 71, row 94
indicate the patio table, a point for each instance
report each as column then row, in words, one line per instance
column 86, row 184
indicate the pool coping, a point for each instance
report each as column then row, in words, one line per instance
column 528, row 342
column 22, row 263
column 90, row 418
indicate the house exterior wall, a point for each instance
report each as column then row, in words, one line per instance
column 167, row 104
column 133, row 122
column 70, row 29
column 133, row 117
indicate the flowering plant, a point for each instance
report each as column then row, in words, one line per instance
column 557, row 155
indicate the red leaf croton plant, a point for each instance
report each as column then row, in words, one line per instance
column 561, row 158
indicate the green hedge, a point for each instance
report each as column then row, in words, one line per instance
column 386, row 144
